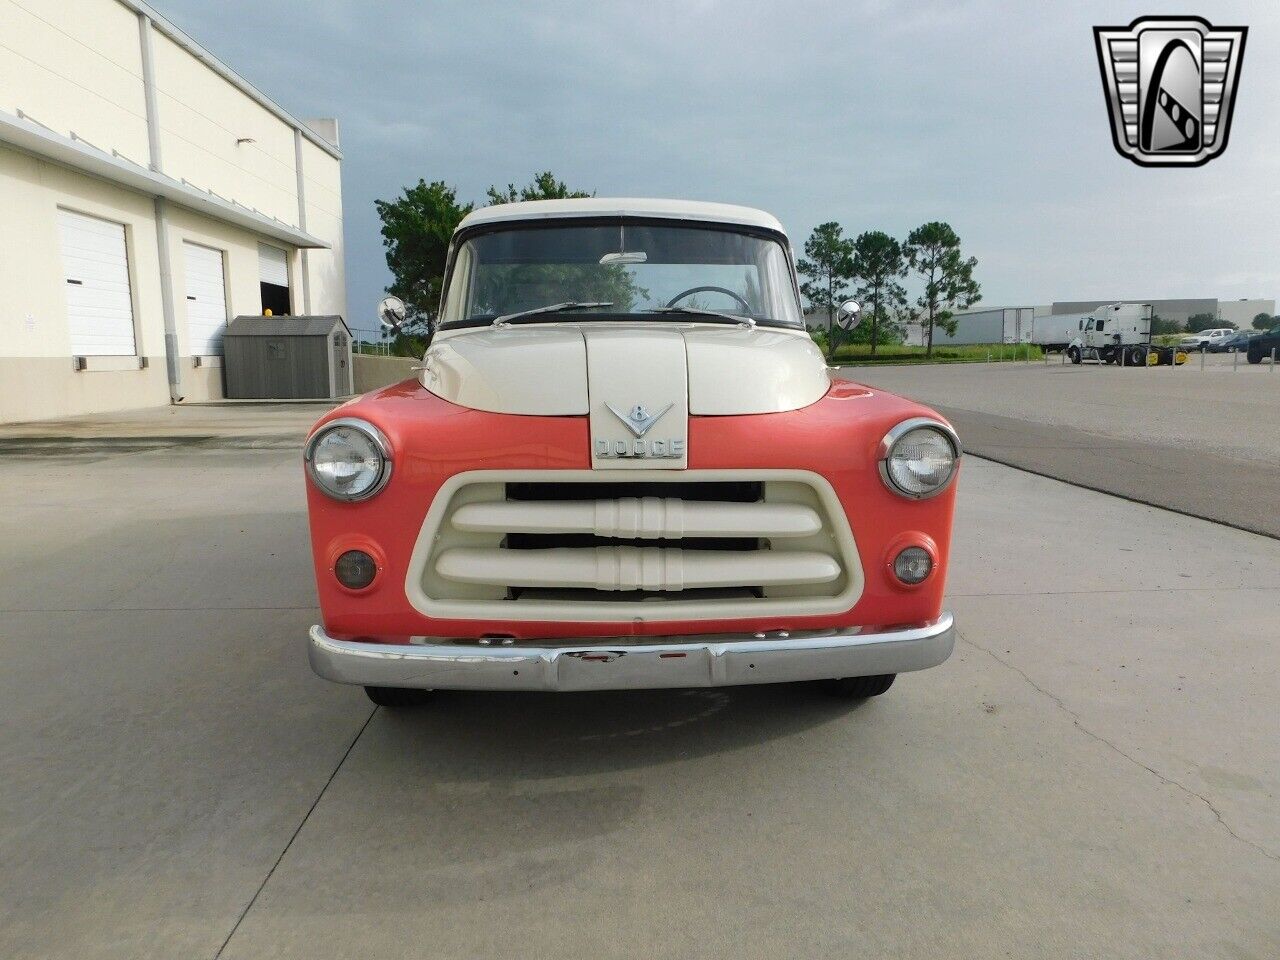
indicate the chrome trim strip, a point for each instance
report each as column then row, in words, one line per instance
column 623, row 663
column 896, row 434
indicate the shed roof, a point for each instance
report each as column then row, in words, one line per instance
column 255, row 326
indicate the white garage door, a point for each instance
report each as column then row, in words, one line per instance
column 206, row 300
column 95, row 265
column 273, row 265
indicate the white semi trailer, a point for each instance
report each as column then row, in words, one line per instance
column 1055, row 331
column 1115, row 333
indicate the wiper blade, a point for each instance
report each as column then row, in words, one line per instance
column 565, row 307
column 742, row 321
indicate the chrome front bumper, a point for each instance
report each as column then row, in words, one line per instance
column 623, row 663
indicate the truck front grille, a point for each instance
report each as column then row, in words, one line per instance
column 571, row 545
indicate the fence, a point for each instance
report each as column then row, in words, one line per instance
column 1269, row 359
column 372, row 372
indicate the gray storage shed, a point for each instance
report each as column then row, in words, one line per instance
column 287, row 358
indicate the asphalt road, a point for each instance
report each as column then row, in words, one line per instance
column 1092, row 774
column 1199, row 441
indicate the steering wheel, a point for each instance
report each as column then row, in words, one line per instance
column 709, row 289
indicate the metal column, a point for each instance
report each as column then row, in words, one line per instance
column 161, row 214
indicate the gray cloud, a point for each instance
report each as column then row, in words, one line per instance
column 875, row 114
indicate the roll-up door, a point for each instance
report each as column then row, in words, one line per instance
column 95, row 265
column 273, row 275
column 206, row 300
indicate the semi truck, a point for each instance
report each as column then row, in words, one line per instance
column 1114, row 333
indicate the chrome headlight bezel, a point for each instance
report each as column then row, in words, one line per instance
column 894, row 436
column 377, row 440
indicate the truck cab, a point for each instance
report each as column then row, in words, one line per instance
column 1115, row 333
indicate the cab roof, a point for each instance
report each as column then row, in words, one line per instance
column 623, row 207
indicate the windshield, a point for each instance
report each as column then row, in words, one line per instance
column 635, row 267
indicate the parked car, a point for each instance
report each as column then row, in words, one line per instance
column 1262, row 345
column 1238, row 342
column 1205, row 338
column 624, row 464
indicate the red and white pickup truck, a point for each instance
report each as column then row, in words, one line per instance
column 624, row 464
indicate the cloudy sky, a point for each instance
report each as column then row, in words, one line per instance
column 879, row 115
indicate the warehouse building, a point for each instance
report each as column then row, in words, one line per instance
column 149, row 195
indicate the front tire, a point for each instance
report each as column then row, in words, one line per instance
column 397, row 697
column 859, row 688
column 1073, row 354
column 1254, row 356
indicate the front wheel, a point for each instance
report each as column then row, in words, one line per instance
column 859, row 688
column 1073, row 354
column 397, row 696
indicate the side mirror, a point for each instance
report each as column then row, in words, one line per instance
column 392, row 313
column 849, row 315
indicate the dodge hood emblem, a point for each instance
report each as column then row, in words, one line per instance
column 639, row 420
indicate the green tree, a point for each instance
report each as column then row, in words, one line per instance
column 544, row 187
column 1262, row 321
column 416, row 228
column 516, row 286
column 1160, row 325
column 1206, row 321
column 933, row 252
column 878, row 264
column 828, row 267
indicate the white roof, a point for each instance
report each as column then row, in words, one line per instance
column 624, row 207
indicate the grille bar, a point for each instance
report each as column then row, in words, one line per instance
column 634, row 568
column 640, row 518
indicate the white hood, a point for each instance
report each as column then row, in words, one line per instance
column 558, row 370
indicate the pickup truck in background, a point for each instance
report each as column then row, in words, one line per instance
column 1206, row 339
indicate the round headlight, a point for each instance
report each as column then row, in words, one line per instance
column 349, row 459
column 919, row 457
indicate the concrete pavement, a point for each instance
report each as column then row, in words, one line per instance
column 1217, row 410
column 1202, row 443
column 1092, row 774
column 236, row 423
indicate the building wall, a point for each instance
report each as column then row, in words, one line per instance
column 1242, row 312
column 326, row 270
column 76, row 65
column 37, row 380
column 202, row 118
column 76, row 68
column 37, row 376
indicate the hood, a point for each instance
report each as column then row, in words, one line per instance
column 637, row 384
column 556, row 370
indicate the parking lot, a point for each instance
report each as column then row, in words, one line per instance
column 1092, row 774
column 1199, row 441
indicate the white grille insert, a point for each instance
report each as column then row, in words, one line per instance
column 633, row 546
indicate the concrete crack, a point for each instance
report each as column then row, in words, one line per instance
column 1079, row 725
column 297, row 830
